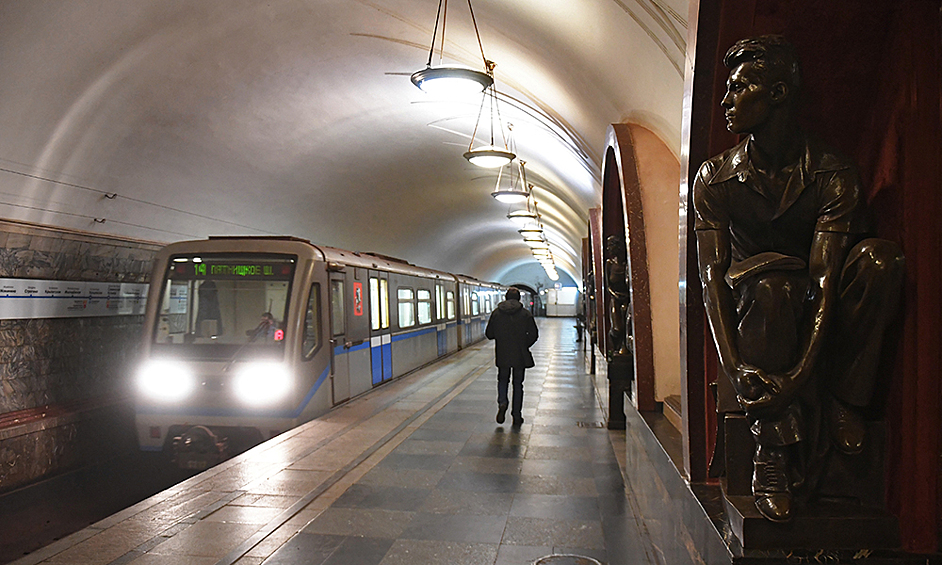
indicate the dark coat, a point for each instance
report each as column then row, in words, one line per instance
column 513, row 330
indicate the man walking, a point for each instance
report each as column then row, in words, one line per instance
column 513, row 330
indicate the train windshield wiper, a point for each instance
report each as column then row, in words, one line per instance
column 259, row 330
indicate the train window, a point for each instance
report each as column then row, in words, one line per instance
column 379, row 305
column 406, row 307
column 374, row 303
column 439, row 302
column 311, row 323
column 424, row 306
column 475, row 304
column 336, row 307
column 384, row 301
column 450, row 304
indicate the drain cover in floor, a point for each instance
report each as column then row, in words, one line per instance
column 566, row 560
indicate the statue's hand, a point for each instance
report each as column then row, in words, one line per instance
column 749, row 382
column 778, row 392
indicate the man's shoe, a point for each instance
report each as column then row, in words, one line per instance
column 847, row 428
column 770, row 484
column 501, row 410
column 775, row 507
column 518, row 421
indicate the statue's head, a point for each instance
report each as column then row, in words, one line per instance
column 764, row 77
column 615, row 246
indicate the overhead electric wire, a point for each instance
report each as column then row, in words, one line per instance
column 93, row 218
column 113, row 195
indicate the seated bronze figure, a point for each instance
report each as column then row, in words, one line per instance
column 798, row 295
column 619, row 294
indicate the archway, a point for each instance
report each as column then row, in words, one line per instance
column 622, row 215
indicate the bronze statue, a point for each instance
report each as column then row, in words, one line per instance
column 617, row 285
column 590, row 309
column 797, row 296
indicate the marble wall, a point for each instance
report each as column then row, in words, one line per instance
column 80, row 364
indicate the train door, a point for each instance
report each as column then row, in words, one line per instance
column 441, row 319
column 462, row 315
column 358, row 333
column 339, row 360
column 380, row 334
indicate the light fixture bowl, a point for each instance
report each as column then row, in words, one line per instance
column 510, row 196
column 451, row 81
column 523, row 217
column 489, row 157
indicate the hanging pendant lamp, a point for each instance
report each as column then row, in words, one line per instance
column 523, row 217
column 516, row 192
column 490, row 156
column 452, row 80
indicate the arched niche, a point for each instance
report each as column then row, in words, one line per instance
column 622, row 214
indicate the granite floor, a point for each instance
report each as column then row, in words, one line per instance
column 417, row 472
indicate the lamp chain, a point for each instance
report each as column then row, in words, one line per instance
column 493, row 104
column 431, row 49
column 478, row 34
column 442, row 16
column 441, row 52
column 477, row 122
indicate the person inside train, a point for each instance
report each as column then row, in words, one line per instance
column 265, row 329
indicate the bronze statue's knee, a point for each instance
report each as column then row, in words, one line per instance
column 879, row 256
column 774, row 290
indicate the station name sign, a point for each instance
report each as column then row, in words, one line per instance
column 37, row 298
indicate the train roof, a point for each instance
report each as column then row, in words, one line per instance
column 471, row 280
column 364, row 260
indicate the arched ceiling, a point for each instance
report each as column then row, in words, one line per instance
column 176, row 119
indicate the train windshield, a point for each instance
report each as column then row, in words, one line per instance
column 221, row 307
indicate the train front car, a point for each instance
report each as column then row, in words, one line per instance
column 233, row 346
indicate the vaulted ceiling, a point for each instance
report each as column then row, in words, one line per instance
column 177, row 119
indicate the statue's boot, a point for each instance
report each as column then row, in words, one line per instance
column 770, row 484
column 847, row 427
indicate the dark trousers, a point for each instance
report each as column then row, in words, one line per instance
column 772, row 311
column 503, row 380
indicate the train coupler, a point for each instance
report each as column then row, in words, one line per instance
column 198, row 448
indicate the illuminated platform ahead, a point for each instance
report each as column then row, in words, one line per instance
column 416, row 473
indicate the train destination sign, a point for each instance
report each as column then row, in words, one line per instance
column 279, row 270
column 37, row 298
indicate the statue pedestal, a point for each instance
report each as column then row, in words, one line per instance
column 823, row 525
column 620, row 375
column 846, row 514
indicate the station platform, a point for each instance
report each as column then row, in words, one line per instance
column 415, row 472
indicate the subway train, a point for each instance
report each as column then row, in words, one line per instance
column 247, row 337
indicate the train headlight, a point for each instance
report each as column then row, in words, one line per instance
column 260, row 383
column 165, row 380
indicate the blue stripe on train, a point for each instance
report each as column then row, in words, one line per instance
column 340, row 350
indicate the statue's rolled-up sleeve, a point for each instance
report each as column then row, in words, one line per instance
column 710, row 212
column 841, row 208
